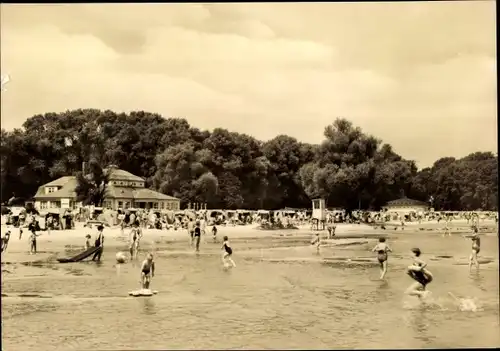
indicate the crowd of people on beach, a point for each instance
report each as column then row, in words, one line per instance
column 197, row 223
column 64, row 219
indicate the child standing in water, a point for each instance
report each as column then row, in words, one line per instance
column 33, row 241
column 382, row 249
column 476, row 247
column 147, row 271
column 316, row 241
column 87, row 242
column 214, row 233
column 418, row 272
column 227, row 253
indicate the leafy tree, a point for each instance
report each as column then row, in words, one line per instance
column 229, row 170
column 351, row 170
column 92, row 187
column 286, row 156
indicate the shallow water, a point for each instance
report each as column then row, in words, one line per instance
column 259, row 304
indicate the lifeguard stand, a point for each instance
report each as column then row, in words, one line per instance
column 318, row 214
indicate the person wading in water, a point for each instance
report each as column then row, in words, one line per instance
column 476, row 247
column 382, row 249
column 420, row 274
column 99, row 241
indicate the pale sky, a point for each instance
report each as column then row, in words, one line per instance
column 419, row 75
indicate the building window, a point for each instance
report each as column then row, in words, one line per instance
column 127, row 204
column 155, row 205
column 54, row 204
column 120, row 204
column 43, row 205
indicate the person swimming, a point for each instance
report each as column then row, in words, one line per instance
column 476, row 247
column 382, row 249
column 147, row 271
column 227, row 253
column 418, row 272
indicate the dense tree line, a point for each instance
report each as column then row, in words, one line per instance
column 231, row 170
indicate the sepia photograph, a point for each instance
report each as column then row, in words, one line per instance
column 254, row 176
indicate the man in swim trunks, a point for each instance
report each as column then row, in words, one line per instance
column 147, row 271
column 382, row 249
column 418, row 272
column 135, row 236
column 197, row 236
column 476, row 247
column 99, row 242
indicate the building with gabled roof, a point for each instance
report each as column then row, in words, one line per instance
column 406, row 205
column 124, row 190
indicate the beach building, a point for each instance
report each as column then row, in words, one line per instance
column 406, row 205
column 124, row 190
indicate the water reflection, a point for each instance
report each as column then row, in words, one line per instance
column 419, row 323
column 148, row 306
column 268, row 305
column 478, row 279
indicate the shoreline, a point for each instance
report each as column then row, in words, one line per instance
column 66, row 242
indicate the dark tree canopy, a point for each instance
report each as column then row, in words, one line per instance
column 92, row 185
column 225, row 169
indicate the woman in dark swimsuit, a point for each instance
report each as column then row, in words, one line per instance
column 476, row 247
column 382, row 249
column 227, row 252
